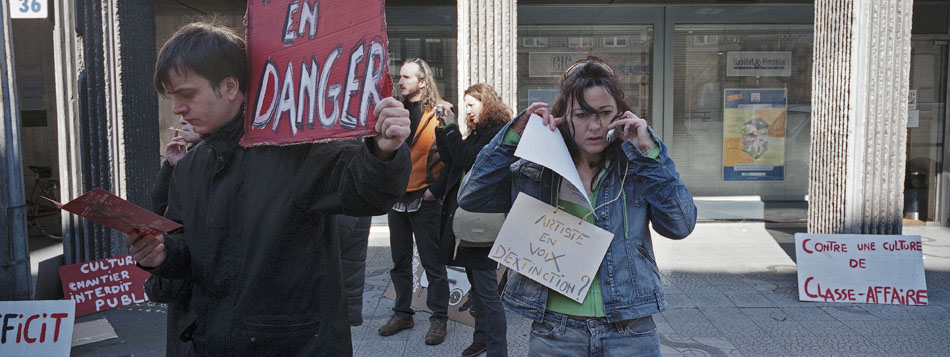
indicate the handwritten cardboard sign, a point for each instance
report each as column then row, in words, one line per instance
column 551, row 247
column 103, row 284
column 36, row 327
column 857, row 268
column 103, row 207
column 317, row 70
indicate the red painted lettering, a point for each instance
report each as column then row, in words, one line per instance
column 59, row 317
column 808, row 280
column 26, row 329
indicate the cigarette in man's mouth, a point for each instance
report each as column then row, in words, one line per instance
column 176, row 129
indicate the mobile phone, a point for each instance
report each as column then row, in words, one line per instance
column 612, row 135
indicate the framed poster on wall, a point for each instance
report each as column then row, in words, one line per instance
column 753, row 147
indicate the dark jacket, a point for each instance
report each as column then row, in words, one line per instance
column 176, row 293
column 259, row 241
column 458, row 155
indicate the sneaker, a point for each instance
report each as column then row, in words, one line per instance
column 394, row 325
column 436, row 332
column 475, row 349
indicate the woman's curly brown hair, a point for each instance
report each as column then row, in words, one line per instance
column 494, row 111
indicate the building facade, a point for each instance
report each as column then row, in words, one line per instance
column 727, row 86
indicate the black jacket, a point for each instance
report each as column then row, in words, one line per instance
column 259, row 240
column 459, row 155
column 176, row 293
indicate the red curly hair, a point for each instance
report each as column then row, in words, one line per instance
column 494, row 111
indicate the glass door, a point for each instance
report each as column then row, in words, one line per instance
column 738, row 106
column 926, row 130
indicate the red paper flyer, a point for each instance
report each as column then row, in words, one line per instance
column 103, row 207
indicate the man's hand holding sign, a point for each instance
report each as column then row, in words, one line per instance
column 392, row 127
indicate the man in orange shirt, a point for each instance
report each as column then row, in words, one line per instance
column 418, row 212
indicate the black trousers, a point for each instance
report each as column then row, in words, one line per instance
column 424, row 224
column 491, row 326
column 354, row 237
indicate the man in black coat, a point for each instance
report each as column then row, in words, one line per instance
column 259, row 241
column 175, row 293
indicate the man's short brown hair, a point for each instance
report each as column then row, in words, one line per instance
column 211, row 51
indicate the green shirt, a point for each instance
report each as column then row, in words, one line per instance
column 593, row 305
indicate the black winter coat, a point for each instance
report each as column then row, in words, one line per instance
column 176, row 293
column 259, row 240
column 459, row 155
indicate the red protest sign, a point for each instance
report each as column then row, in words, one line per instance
column 316, row 70
column 103, row 207
column 103, row 284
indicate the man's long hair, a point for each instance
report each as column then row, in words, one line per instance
column 494, row 111
column 430, row 93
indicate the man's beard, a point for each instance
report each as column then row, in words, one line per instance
column 408, row 97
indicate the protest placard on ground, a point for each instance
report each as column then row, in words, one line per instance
column 550, row 246
column 872, row 269
column 316, row 70
column 460, row 290
column 36, row 327
column 103, row 284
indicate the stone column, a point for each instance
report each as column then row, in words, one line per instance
column 487, row 48
column 15, row 276
column 108, row 112
column 859, row 116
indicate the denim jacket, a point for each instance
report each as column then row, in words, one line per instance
column 652, row 193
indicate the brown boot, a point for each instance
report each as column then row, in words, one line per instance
column 436, row 332
column 475, row 349
column 395, row 324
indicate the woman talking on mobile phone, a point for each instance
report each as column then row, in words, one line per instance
column 632, row 183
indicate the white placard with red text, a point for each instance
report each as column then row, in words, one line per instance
column 857, row 268
column 36, row 328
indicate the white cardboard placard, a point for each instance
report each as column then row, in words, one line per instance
column 859, row 268
column 551, row 247
column 36, row 327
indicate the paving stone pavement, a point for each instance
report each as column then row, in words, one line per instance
column 732, row 291
column 731, row 288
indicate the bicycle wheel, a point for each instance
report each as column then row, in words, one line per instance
column 43, row 217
